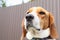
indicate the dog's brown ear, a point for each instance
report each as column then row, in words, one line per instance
column 23, row 31
column 53, row 32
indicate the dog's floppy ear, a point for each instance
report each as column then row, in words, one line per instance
column 53, row 32
column 23, row 31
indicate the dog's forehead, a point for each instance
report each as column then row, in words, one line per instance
column 37, row 9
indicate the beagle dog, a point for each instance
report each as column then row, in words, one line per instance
column 38, row 24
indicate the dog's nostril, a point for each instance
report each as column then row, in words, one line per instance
column 29, row 17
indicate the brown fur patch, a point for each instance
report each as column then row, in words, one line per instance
column 53, row 32
column 23, row 31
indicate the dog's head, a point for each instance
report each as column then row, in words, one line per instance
column 37, row 17
column 40, row 18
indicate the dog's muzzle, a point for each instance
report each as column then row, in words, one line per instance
column 29, row 18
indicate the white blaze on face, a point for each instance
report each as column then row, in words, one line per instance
column 36, row 20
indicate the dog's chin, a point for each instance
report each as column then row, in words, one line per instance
column 29, row 24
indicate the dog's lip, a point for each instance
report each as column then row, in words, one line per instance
column 29, row 23
column 38, row 29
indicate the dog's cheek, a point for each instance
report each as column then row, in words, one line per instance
column 44, row 23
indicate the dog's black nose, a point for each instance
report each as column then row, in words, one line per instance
column 29, row 17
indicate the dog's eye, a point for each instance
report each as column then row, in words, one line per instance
column 42, row 13
column 27, row 12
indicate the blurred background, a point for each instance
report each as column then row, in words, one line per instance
column 7, row 3
column 13, row 11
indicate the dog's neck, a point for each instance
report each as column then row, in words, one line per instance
column 44, row 33
column 41, row 34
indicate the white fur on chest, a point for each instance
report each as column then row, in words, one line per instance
column 41, row 34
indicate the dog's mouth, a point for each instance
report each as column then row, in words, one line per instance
column 29, row 24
